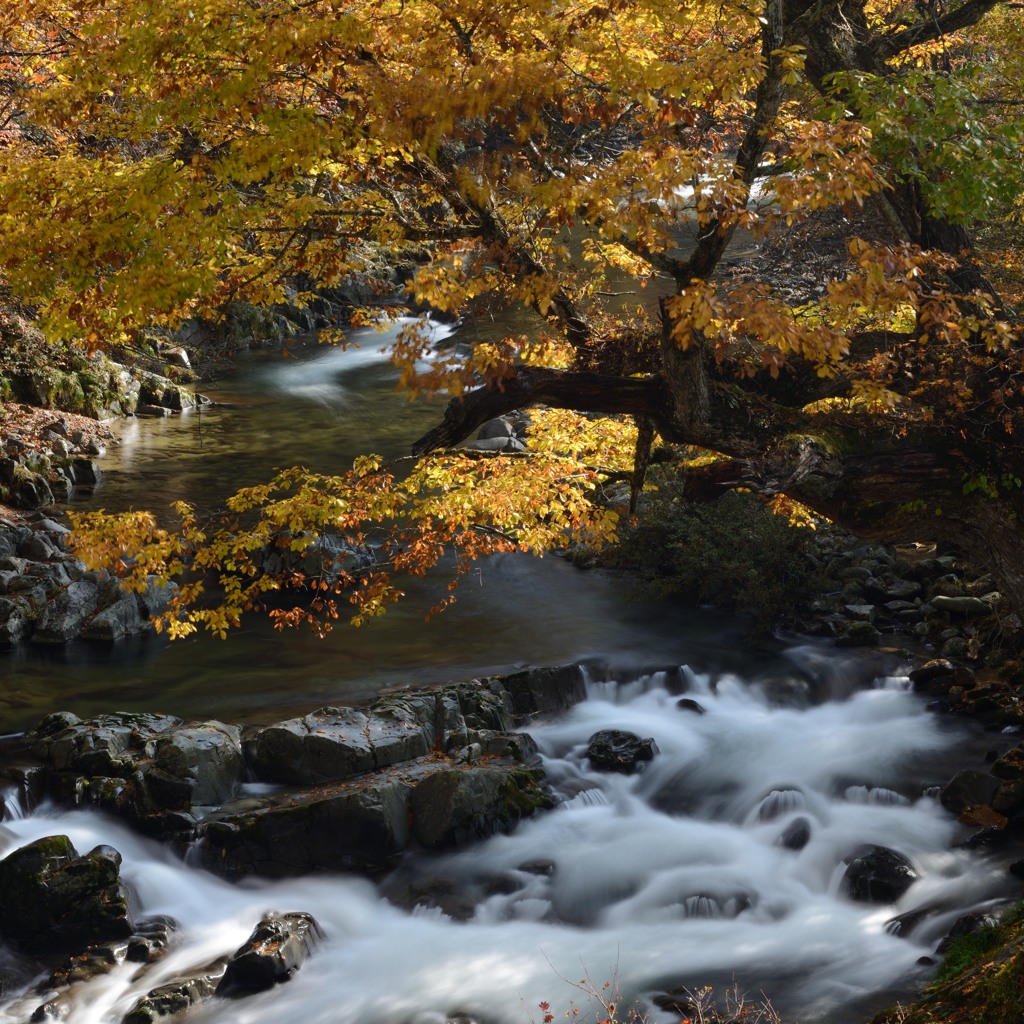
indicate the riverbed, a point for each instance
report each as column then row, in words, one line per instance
column 678, row 876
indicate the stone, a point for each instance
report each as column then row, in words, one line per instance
column 207, row 755
column 689, row 704
column 63, row 618
column 796, row 835
column 880, row 875
column 614, row 750
column 336, row 827
column 276, row 949
column 969, row 788
column 85, row 471
column 539, row 691
column 154, row 599
column 108, row 745
column 961, row 605
column 337, row 743
column 177, row 996
column 498, row 427
column 116, row 621
column 52, row 900
column 16, row 620
column 938, row 676
column 457, row 805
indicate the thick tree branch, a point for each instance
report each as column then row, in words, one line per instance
column 529, row 385
column 962, row 17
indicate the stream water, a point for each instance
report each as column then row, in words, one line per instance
column 675, row 877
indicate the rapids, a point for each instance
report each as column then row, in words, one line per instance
column 675, row 876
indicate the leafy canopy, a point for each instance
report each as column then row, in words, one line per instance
column 161, row 158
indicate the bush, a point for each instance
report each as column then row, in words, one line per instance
column 733, row 553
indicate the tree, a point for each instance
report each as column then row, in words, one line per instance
column 175, row 155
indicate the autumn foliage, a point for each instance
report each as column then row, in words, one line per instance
column 161, row 158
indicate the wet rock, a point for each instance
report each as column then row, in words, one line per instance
column 179, row 995
column 53, row 900
column 938, row 676
column 341, row 826
column 879, row 876
column 969, row 788
column 961, row 604
column 108, row 745
column 797, row 834
column 457, row 805
column 206, row 755
column 614, row 750
column 116, row 621
column 689, row 704
column 337, row 743
column 16, row 620
column 277, row 948
column 539, row 691
column 967, row 924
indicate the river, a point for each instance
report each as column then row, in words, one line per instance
column 677, row 876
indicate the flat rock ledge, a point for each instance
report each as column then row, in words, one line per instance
column 341, row 788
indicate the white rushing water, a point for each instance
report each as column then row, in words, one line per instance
column 322, row 377
column 675, row 876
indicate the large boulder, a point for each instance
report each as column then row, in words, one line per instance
column 63, row 618
column 880, row 875
column 277, row 948
column 337, row 743
column 53, row 900
column 336, row 827
column 152, row 769
column 541, row 691
column 207, row 755
column 460, row 804
column 614, row 750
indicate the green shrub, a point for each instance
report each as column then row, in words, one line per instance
column 733, row 553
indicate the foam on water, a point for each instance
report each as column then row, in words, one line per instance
column 676, row 876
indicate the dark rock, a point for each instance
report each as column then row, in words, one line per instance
column 969, row 788
column 797, row 834
column 337, row 743
column 879, row 876
column 343, row 826
column 53, row 900
column 177, row 996
column 689, row 704
column 116, row 621
column 613, row 750
column 16, row 620
column 961, row 605
column 938, row 676
column 207, row 755
column 454, row 806
column 276, row 949
column 1010, row 766
column 539, row 691
column 108, row 745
